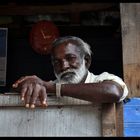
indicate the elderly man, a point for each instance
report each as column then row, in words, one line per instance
column 71, row 59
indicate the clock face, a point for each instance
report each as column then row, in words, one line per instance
column 42, row 34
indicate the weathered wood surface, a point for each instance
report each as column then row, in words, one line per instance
column 14, row 100
column 62, row 118
column 130, row 22
column 108, row 120
column 65, row 121
column 119, row 120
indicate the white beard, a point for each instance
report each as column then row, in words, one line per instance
column 72, row 75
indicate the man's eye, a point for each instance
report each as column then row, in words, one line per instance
column 56, row 62
column 71, row 58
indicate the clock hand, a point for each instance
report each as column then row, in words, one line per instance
column 43, row 34
column 45, row 37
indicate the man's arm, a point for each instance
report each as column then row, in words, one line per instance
column 103, row 92
column 32, row 87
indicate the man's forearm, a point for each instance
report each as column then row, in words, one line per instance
column 95, row 92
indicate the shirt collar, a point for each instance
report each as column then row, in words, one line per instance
column 88, row 77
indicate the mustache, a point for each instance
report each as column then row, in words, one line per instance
column 66, row 72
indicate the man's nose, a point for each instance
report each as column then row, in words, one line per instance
column 65, row 65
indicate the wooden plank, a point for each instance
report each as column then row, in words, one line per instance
column 13, row 100
column 132, row 78
column 130, row 22
column 112, row 120
column 119, row 120
column 108, row 120
column 47, row 9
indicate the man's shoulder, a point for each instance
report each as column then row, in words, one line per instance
column 105, row 74
column 102, row 76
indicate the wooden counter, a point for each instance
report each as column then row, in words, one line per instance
column 63, row 117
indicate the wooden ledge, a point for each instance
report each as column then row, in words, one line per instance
column 13, row 99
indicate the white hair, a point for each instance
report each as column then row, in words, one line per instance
column 83, row 46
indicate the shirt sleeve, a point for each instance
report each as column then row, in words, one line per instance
column 108, row 76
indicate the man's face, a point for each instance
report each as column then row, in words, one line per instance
column 69, row 66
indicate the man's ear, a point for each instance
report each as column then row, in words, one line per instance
column 87, row 61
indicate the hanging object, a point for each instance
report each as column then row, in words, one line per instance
column 42, row 34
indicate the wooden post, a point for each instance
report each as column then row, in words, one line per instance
column 108, row 120
column 130, row 22
column 119, row 120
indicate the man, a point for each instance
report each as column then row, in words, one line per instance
column 71, row 59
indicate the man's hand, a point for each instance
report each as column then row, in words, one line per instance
column 32, row 88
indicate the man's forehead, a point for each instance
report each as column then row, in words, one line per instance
column 67, row 45
column 64, row 49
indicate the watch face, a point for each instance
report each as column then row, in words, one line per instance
column 42, row 34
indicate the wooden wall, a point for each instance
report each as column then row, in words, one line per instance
column 130, row 20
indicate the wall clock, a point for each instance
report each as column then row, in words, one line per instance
column 42, row 34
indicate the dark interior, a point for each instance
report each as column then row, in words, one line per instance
column 105, row 41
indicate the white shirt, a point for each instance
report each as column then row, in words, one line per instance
column 91, row 78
